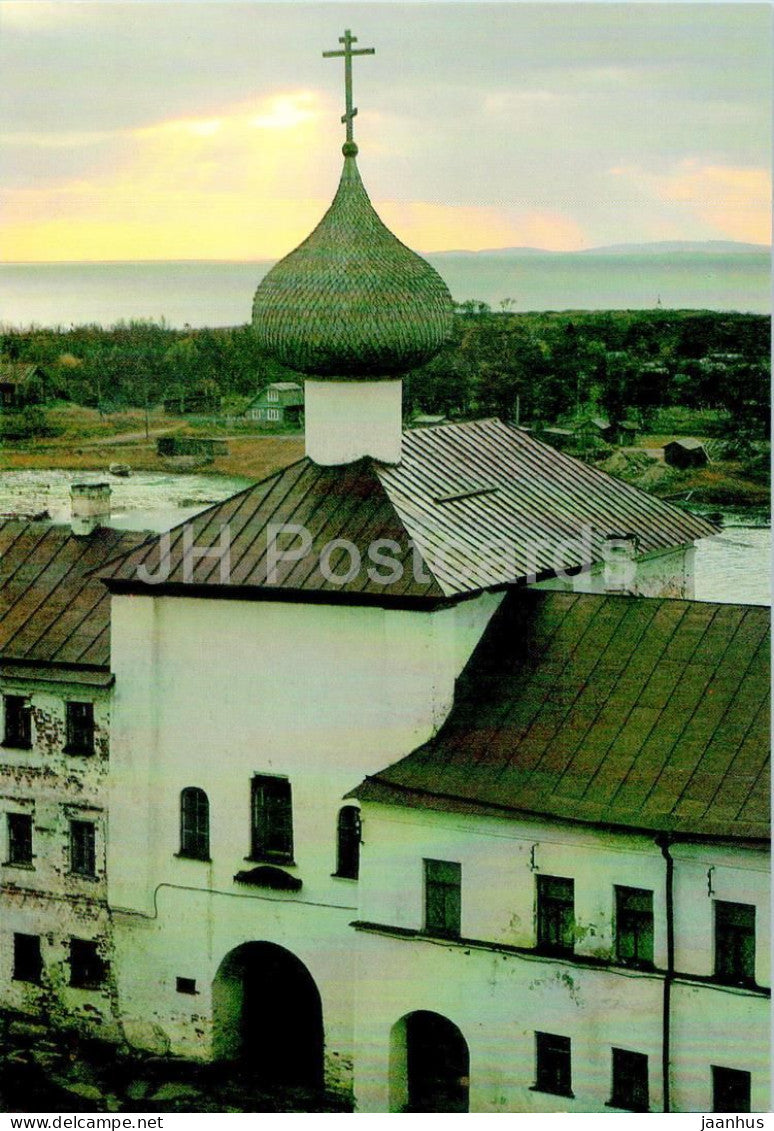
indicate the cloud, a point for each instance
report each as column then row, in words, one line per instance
column 734, row 202
column 438, row 227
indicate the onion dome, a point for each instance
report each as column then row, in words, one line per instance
column 352, row 301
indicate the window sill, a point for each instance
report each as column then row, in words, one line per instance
column 267, row 858
column 445, row 936
column 190, row 856
column 79, row 751
column 6, row 745
column 18, row 864
column 339, row 876
column 552, row 1092
column 555, row 951
column 738, row 983
column 623, row 1107
column 92, row 877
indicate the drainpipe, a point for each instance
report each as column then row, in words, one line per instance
column 664, row 842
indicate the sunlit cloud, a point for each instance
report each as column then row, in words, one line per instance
column 734, row 202
column 438, row 227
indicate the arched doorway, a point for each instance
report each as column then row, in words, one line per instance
column 267, row 1013
column 429, row 1064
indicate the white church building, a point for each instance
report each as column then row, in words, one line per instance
column 414, row 770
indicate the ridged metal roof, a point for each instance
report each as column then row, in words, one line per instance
column 51, row 609
column 470, row 506
column 352, row 301
column 619, row 711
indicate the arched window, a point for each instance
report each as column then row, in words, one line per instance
column 348, row 842
column 194, row 823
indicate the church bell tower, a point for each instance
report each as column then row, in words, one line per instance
column 352, row 309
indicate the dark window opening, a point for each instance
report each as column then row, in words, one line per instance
column 19, row 838
column 555, row 914
column 18, row 722
column 272, row 820
column 194, row 824
column 348, row 842
column 443, row 898
column 186, row 986
column 79, row 718
column 553, row 1064
column 735, row 942
column 634, row 926
column 27, row 960
column 83, row 856
column 87, row 969
column 730, row 1089
column 630, row 1080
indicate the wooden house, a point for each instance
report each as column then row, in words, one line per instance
column 685, row 452
column 16, row 380
column 279, row 403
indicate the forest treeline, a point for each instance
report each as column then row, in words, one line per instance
column 537, row 366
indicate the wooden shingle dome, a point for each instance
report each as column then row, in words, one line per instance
column 352, row 301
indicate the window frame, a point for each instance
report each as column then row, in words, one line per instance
column 348, row 840
column 636, row 924
column 89, row 970
column 442, row 895
column 194, row 826
column 626, row 1079
column 27, row 858
column 271, row 837
column 717, row 1103
column 17, row 722
column 555, row 927
column 26, row 965
column 732, row 965
column 78, row 852
column 556, row 1078
column 80, row 733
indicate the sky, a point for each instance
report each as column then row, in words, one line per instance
column 174, row 129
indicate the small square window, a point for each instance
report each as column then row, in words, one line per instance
column 443, row 898
column 27, row 961
column 186, row 985
column 630, row 1080
column 17, row 731
column 87, row 970
column 735, row 942
column 555, row 914
column 730, row 1089
column 83, row 856
column 79, row 719
column 19, row 838
column 634, row 926
column 553, row 1064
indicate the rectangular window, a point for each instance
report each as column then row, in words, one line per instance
column 272, row 819
column 273, row 414
column 27, row 961
column 443, row 898
column 17, row 731
column 79, row 718
column 87, row 970
column 630, row 1080
column 553, row 1065
column 19, row 838
column 186, row 985
column 735, row 942
column 634, row 926
column 83, row 856
column 730, row 1089
column 555, row 914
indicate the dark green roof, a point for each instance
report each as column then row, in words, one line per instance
column 352, row 301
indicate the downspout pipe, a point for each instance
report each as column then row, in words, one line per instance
column 664, row 841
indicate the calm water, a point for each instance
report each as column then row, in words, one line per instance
column 212, row 293
column 733, row 566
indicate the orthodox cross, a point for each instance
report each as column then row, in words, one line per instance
column 348, row 39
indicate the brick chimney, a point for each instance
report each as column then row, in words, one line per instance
column 619, row 552
column 89, row 506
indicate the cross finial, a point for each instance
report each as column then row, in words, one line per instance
column 348, row 39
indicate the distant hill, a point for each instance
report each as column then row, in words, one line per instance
column 660, row 247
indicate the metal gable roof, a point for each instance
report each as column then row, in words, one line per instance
column 470, row 506
column 617, row 711
column 51, row 609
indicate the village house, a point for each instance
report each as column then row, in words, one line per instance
column 19, row 384
column 685, row 452
column 427, row 779
column 280, row 403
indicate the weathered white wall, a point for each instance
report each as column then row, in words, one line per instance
column 47, row 899
column 346, row 420
column 209, row 693
column 499, row 1000
column 663, row 573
